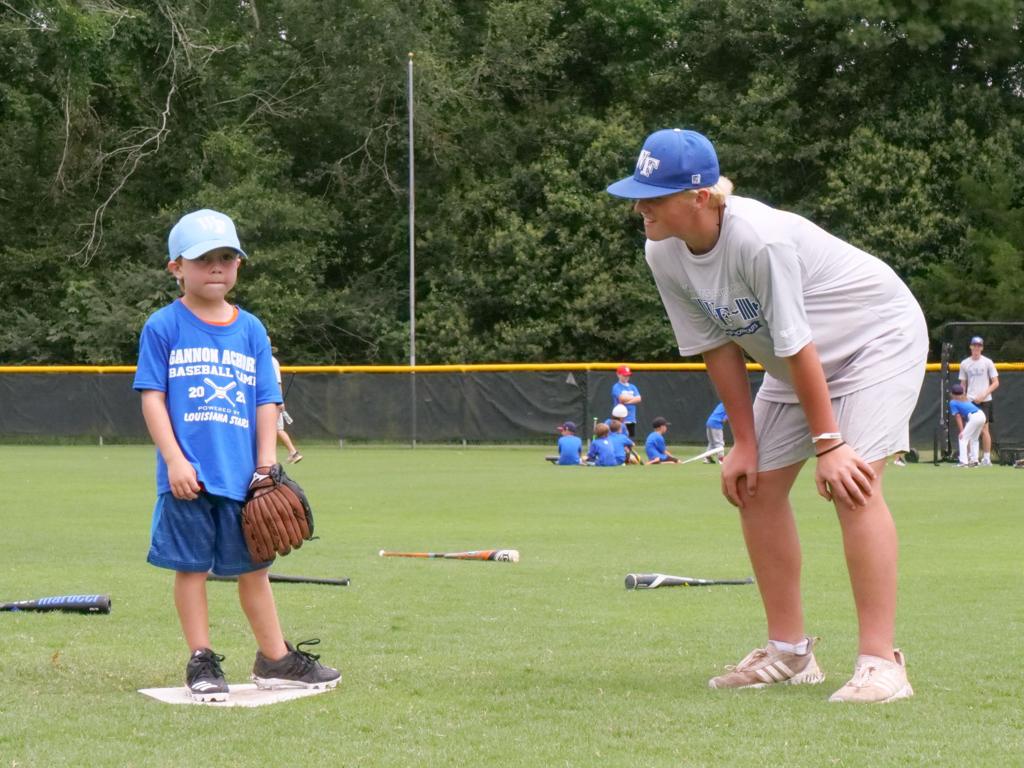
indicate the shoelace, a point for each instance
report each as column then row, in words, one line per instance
column 209, row 665
column 754, row 656
column 862, row 676
column 310, row 658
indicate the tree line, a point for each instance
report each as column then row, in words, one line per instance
column 895, row 124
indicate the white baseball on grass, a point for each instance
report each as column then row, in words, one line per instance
column 381, row 553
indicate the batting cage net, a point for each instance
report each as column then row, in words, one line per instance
column 443, row 404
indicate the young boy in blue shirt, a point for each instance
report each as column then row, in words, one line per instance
column 602, row 452
column 715, row 429
column 657, row 451
column 570, row 447
column 209, row 399
column 621, row 442
column 970, row 420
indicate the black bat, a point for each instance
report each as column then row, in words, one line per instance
column 66, row 603
column 289, row 579
column 655, row 580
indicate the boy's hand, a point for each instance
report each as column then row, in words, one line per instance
column 182, row 477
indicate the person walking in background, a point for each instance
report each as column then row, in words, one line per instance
column 655, row 447
column 980, row 379
column 715, row 429
column 294, row 457
column 970, row 420
column 209, row 400
column 843, row 344
column 627, row 394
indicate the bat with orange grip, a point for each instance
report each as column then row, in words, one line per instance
column 498, row 555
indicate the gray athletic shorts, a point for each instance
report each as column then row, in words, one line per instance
column 875, row 421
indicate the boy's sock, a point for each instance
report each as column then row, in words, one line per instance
column 798, row 648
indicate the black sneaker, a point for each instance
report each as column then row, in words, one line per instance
column 203, row 676
column 298, row 669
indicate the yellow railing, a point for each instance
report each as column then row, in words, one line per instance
column 456, row 368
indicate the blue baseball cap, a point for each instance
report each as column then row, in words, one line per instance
column 671, row 160
column 568, row 426
column 200, row 232
column 977, row 340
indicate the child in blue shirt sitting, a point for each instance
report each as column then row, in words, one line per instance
column 602, row 452
column 570, row 447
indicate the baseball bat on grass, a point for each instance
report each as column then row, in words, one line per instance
column 280, row 577
column 655, row 580
column 65, row 603
column 706, row 454
column 499, row 555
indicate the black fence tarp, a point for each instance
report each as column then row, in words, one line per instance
column 476, row 407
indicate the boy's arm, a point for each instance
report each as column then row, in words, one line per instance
column 266, row 434
column 959, row 422
column 728, row 371
column 840, row 473
column 180, row 473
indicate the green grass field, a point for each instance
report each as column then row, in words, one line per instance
column 549, row 662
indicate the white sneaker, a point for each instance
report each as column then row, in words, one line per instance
column 876, row 680
column 899, row 462
column 986, row 462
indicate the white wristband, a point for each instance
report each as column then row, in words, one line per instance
column 826, row 436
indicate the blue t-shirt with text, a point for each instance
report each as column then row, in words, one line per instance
column 213, row 378
column 602, row 453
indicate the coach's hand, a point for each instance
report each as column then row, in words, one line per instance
column 739, row 473
column 843, row 476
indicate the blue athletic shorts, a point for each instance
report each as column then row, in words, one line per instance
column 200, row 535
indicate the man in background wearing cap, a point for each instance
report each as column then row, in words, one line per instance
column 980, row 379
column 657, row 451
column 843, row 343
column 624, row 393
column 570, row 447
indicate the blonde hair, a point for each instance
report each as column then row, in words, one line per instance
column 601, row 430
column 717, row 193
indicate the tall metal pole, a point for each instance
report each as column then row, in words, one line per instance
column 412, row 255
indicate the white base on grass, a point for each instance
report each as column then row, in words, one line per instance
column 243, row 695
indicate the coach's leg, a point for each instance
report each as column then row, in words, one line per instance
column 773, row 545
column 872, row 552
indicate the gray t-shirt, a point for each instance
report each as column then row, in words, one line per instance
column 775, row 282
column 978, row 374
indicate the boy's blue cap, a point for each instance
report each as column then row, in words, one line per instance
column 977, row 340
column 671, row 160
column 200, row 232
column 957, row 389
column 568, row 425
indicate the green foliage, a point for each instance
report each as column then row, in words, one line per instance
column 875, row 119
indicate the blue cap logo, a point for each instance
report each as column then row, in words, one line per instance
column 671, row 160
column 200, row 232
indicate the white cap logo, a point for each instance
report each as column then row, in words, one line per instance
column 695, row 178
column 647, row 164
column 212, row 224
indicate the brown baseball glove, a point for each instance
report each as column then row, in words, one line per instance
column 276, row 517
